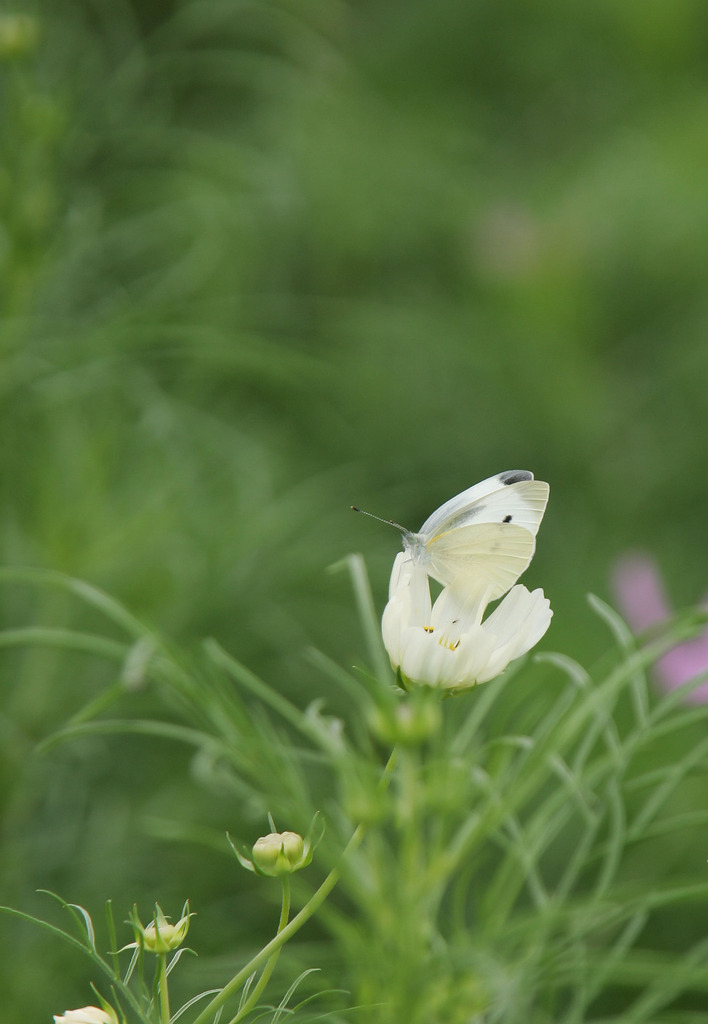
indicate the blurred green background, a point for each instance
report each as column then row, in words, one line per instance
column 260, row 260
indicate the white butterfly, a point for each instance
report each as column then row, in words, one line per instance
column 484, row 538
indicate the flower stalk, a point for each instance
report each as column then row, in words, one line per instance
column 270, row 964
column 279, row 940
column 301, row 918
column 163, row 989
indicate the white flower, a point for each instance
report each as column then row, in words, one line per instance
column 447, row 644
column 87, row 1015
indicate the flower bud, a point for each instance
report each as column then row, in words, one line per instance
column 278, row 853
column 87, row 1015
column 163, row 937
column 159, row 936
column 281, row 853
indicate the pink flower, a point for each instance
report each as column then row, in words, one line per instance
column 640, row 594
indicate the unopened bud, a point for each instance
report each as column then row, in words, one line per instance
column 278, row 853
column 159, row 936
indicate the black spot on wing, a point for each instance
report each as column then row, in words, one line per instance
column 506, row 519
column 515, row 476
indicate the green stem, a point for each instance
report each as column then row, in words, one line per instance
column 279, row 940
column 268, row 969
column 164, row 994
column 313, row 904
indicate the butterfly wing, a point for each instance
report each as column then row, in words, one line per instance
column 512, row 497
column 484, row 538
column 485, row 557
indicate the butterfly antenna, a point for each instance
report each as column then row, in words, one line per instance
column 389, row 522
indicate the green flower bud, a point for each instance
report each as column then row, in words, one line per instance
column 164, row 937
column 281, row 853
column 159, row 936
column 278, row 853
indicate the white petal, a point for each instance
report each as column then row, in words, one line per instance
column 520, row 612
column 475, row 650
column 409, row 582
column 457, row 609
column 422, row 657
column 394, row 625
column 400, row 574
column 518, row 623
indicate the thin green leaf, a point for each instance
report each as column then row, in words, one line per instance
column 42, row 636
column 193, row 1001
column 112, row 937
column 368, row 616
column 282, row 1007
column 270, row 697
column 91, row 595
column 53, row 929
column 626, row 641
